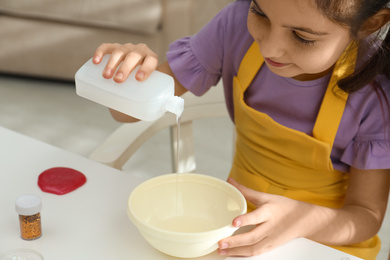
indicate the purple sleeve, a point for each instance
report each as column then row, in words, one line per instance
column 188, row 69
column 368, row 154
column 197, row 61
column 370, row 148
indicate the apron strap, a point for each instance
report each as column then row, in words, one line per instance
column 250, row 65
column 334, row 101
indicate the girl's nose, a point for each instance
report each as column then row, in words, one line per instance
column 272, row 45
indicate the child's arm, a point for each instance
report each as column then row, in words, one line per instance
column 279, row 219
column 131, row 56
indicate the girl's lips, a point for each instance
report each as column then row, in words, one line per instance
column 275, row 64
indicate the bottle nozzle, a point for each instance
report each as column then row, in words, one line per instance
column 175, row 105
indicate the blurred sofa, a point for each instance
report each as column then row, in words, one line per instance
column 53, row 38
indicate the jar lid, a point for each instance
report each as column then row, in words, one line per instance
column 28, row 205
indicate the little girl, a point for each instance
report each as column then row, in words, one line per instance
column 307, row 85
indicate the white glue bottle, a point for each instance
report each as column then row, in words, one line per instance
column 146, row 100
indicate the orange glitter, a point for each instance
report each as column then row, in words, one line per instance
column 30, row 226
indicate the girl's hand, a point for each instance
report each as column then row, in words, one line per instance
column 277, row 220
column 131, row 56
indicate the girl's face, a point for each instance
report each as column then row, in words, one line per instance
column 295, row 39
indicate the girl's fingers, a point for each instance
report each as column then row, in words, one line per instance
column 256, row 197
column 97, row 58
column 148, row 66
column 256, row 217
column 103, row 49
column 111, row 66
column 255, row 242
column 117, row 56
column 259, row 199
column 129, row 63
column 148, row 62
column 248, row 238
column 123, row 60
column 278, row 219
column 258, row 247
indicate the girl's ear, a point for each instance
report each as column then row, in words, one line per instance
column 374, row 23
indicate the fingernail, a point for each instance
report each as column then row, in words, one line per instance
column 96, row 59
column 238, row 223
column 224, row 245
column 140, row 75
column 119, row 75
column 107, row 72
column 222, row 252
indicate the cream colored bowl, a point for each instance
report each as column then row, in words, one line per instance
column 185, row 215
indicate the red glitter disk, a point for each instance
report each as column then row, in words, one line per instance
column 60, row 180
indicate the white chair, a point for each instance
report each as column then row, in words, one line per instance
column 118, row 148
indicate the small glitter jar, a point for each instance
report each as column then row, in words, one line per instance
column 28, row 207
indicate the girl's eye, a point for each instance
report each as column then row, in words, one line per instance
column 257, row 12
column 253, row 9
column 302, row 40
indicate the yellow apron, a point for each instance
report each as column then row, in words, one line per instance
column 279, row 160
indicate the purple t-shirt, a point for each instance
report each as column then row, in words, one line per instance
column 215, row 52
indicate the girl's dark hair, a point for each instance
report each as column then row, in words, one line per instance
column 353, row 14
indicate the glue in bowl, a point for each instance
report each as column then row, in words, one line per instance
column 185, row 215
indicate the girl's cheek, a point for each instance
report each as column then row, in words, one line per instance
column 256, row 27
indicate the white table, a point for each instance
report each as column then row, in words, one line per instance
column 91, row 222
